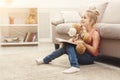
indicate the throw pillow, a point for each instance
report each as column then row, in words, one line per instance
column 99, row 6
column 112, row 13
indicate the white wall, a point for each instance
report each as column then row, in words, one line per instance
column 47, row 3
column 52, row 3
column 46, row 7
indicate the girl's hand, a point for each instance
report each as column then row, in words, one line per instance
column 79, row 41
column 70, row 40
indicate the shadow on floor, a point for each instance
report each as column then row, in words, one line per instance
column 109, row 60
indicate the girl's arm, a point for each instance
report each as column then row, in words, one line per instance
column 95, row 44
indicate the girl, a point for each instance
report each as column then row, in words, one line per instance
column 89, row 19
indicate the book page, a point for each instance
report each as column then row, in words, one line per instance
column 64, row 41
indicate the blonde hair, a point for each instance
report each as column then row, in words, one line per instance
column 93, row 15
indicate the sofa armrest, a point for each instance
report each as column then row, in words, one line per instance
column 57, row 19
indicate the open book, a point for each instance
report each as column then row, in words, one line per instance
column 64, row 41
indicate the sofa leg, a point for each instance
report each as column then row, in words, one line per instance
column 57, row 46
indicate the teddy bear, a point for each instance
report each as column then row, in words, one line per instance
column 79, row 32
column 32, row 16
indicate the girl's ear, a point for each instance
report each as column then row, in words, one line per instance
column 92, row 21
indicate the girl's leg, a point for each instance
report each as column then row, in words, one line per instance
column 70, row 49
column 85, row 58
column 54, row 54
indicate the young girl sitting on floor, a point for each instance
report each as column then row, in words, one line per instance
column 89, row 19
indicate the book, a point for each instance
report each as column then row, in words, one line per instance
column 25, row 37
column 64, row 41
column 30, row 37
column 11, row 39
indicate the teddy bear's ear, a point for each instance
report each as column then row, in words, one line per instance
column 72, row 32
column 33, row 11
column 78, row 27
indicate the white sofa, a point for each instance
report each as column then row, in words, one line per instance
column 108, row 26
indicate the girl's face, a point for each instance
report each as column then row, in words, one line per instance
column 85, row 21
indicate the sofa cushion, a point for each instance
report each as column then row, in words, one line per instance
column 99, row 6
column 57, row 19
column 63, row 28
column 110, row 31
column 71, row 16
column 112, row 13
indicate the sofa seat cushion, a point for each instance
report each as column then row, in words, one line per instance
column 63, row 28
column 110, row 31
